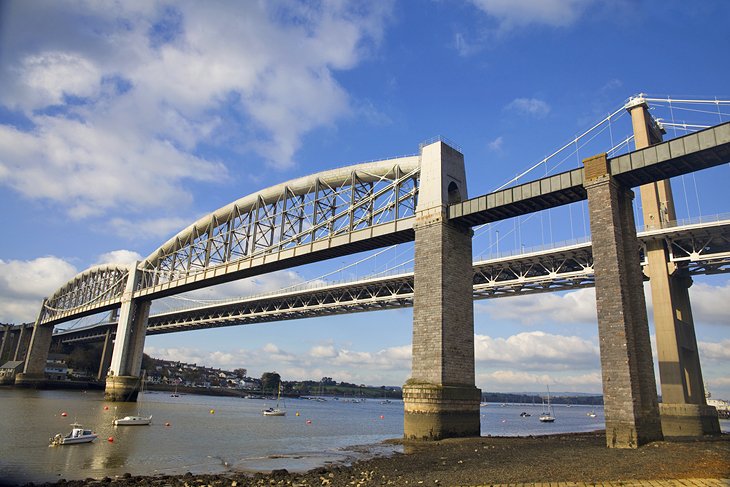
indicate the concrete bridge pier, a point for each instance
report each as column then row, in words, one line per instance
column 684, row 410
column 21, row 348
column 106, row 355
column 122, row 381
column 6, row 342
column 629, row 387
column 441, row 399
column 33, row 374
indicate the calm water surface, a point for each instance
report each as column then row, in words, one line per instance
column 235, row 437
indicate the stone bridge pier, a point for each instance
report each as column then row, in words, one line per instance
column 629, row 388
column 122, row 380
column 441, row 399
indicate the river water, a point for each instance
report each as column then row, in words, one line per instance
column 208, row 434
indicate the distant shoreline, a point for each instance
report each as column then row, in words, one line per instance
column 492, row 397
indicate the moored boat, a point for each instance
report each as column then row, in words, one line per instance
column 77, row 435
column 135, row 420
column 275, row 411
column 547, row 415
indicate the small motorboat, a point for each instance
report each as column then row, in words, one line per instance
column 77, row 435
column 133, row 421
column 525, row 414
column 592, row 414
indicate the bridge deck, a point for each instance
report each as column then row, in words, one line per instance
column 693, row 152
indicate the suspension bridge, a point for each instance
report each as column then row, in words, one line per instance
column 423, row 199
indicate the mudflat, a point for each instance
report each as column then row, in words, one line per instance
column 575, row 457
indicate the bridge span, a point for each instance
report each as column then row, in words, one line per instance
column 703, row 247
column 424, row 198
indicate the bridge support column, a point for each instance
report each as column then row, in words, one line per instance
column 441, row 399
column 684, row 411
column 33, row 374
column 629, row 387
column 106, row 356
column 21, row 349
column 122, row 382
column 5, row 342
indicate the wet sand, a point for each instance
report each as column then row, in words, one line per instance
column 578, row 457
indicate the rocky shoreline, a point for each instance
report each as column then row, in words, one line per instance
column 575, row 457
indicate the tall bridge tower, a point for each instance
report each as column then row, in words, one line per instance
column 441, row 399
column 683, row 409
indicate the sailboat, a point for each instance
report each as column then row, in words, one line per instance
column 275, row 411
column 135, row 420
column 547, row 415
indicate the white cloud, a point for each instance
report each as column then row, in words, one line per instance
column 323, row 351
column 116, row 113
column 570, row 307
column 719, row 351
column 532, row 107
column 150, row 228
column 519, row 13
column 496, row 144
column 122, row 257
column 536, row 350
column 510, row 380
column 24, row 284
column 710, row 303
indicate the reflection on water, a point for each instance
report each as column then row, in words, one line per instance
column 235, row 436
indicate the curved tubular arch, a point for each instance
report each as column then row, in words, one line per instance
column 318, row 215
column 96, row 289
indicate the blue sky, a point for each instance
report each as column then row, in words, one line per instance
column 122, row 123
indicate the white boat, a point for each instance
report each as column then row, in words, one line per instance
column 135, row 420
column 592, row 414
column 175, row 394
column 77, row 435
column 547, row 416
column 275, row 411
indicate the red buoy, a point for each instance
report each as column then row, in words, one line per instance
column 309, row 421
column 382, row 417
column 110, row 439
column 106, row 408
column 64, row 414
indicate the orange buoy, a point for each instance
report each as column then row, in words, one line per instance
column 64, row 414
column 106, row 408
column 110, row 439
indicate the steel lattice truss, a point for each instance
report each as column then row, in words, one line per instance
column 96, row 289
column 294, row 220
column 702, row 248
